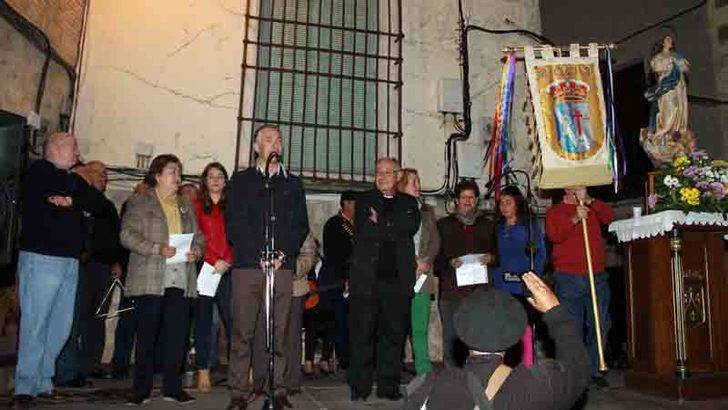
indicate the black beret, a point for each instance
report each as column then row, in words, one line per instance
column 490, row 320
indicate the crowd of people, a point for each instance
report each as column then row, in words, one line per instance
column 383, row 260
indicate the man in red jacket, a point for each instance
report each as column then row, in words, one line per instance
column 571, row 281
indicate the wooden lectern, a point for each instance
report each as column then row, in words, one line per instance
column 677, row 313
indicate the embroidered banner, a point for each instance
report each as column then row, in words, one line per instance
column 568, row 104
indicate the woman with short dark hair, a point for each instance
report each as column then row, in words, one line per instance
column 467, row 231
column 161, row 290
column 210, row 207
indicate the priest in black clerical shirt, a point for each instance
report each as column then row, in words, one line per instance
column 381, row 283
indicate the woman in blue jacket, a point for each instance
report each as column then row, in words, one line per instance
column 514, row 232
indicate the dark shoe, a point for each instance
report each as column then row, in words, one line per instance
column 599, row 383
column 238, row 403
column 49, row 395
column 21, row 402
column 120, row 374
column 76, row 383
column 358, row 396
column 181, row 398
column 280, row 402
column 137, row 400
column 393, row 395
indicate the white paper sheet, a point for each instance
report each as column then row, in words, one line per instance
column 471, row 272
column 181, row 242
column 420, row 281
column 207, row 280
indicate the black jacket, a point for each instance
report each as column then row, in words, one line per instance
column 399, row 226
column 245, row 212
column 338, row 246
column 102, row 244
column 552, row 384
column 47, row 229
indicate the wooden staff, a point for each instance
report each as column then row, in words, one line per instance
column 593, row 288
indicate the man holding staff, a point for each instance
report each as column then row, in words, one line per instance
column 574, row 228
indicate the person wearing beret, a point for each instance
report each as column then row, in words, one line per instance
column 489, row 322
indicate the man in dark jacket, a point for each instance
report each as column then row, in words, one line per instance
column 333, row 280
column 381, row 283
column 490, row 321
column 245, row 219
column 52, row 236
column 100, row 264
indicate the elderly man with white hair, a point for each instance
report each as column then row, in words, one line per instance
column 245, row 219
column 51, row 241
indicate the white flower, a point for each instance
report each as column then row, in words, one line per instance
column 671, row 182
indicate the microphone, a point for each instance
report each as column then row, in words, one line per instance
column 272, row 155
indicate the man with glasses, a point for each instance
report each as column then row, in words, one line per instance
column 381, row 284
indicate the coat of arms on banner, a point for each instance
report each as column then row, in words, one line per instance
column 574, row 136
column 569, row 109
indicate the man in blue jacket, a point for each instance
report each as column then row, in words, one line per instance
column 245, row 220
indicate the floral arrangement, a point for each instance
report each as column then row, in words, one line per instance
column 691, row 182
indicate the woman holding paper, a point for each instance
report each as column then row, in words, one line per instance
column 209, row 207
column 467, row 232
column 427, row 243
column 517, row 232
column 161, row 277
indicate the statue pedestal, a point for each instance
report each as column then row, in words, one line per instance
column 677, row 307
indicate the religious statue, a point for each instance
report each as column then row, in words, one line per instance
column 668, row 133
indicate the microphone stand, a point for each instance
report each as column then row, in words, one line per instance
column 269, row 258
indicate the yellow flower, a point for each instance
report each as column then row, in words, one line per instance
column 690, row 196
column 680, row 161
column 720, row 163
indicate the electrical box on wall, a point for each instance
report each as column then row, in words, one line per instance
column 450, row 96
column 470, row 158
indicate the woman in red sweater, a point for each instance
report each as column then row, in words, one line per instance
column 209, row 208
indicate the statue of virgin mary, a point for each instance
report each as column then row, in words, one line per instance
column 667, row 133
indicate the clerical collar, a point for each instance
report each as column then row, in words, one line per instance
column 281, row 169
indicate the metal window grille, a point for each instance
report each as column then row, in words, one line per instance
column 329, row 74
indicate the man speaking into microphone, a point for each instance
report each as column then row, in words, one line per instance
column 245, row 221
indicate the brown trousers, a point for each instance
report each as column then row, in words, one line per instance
column 248, row 287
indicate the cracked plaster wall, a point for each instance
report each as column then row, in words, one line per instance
column 170, row 76
column 164, row 73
